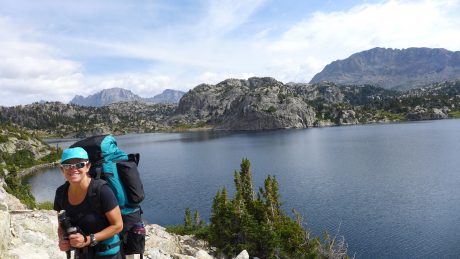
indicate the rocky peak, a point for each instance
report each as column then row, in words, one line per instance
column 256, row 82
column 116, row 95
column 251, row 83
column 167, row 96
column 105, row 97
column 256, row 103
column 394, row 68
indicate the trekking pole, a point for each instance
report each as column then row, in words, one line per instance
column 65, row 224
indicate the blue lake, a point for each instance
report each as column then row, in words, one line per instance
column 392, row 190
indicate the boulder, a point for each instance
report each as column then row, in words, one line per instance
column 11, row 202
column 155, row 253
column 4, row 223
column 181, row 256
column 348, row 117
column 243, row 255
column 421, row 113
column 201, row 254
column 4, row 229
column 440, row 113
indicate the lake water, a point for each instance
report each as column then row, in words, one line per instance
column 393, row 190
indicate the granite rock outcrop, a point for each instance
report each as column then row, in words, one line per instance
column 253, row 104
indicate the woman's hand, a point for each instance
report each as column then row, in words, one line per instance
column 64, row 245
column 77, row 240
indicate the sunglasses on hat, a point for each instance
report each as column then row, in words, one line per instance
column 78, row 165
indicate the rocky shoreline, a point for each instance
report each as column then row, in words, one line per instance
column 29, row 234
column 36, row 169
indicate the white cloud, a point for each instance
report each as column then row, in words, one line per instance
column 224, row 16
column 214, row 44
column 325, row 37
column 31, row 71
column 289, row 69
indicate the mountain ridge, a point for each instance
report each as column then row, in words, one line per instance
column 115, row 95
column 399, row 69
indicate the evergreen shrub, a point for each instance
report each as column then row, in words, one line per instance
column 257, row 223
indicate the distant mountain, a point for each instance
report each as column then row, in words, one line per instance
column 399, row 69
column 106, row 97
column 116, row 95
column 167, row 96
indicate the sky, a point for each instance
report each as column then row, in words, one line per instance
column 52, row 50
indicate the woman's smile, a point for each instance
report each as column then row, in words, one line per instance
column 74, row 173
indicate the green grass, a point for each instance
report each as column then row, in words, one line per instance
column 454, row 114
column 47, row 205
column 183, row 126
column 395, row 116
column 271, row 109
column 3, row 139
column 200, row 232
column 391, row 116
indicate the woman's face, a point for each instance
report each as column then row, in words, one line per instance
column 75, row 169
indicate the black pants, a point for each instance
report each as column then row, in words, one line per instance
column 132, row 243
column 89, row 253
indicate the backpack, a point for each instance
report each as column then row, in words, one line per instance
column 119, row 170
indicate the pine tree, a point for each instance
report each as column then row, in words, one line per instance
column 196, row 219
column 238, row 201
column 224, row 224
column 258, row 225
column 247, row 189
column 187, row 219
column 244, row 195
column 271, row 196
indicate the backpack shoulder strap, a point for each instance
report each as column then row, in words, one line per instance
column 95, row 170
column 134, row 157
column 94, row 194
column 61, row 194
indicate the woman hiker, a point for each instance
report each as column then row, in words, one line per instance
column 96, row 232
